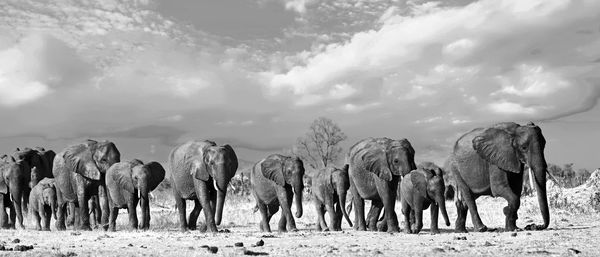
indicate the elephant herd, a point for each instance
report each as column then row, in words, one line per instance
column 90, row 177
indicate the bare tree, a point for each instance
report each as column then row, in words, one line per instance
column 320, row 146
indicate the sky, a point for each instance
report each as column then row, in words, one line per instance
column 150, row 74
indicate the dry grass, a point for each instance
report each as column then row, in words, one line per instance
column 566, row 231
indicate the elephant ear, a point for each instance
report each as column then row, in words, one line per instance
column 121, row 174
column 199, row 169
column 231, row 157
column 157, row 174
column 3, row 187
column 496, row 146
column 80, row 160
column 419, row 182
column 375, row 160
column 273, row 170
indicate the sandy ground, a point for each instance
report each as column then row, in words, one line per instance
column 568, row 235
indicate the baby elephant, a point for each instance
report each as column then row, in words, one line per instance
column 42, row 202
column 329, row 188
column 129, row 182
column 419, row 189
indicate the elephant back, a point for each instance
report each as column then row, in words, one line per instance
column 183, row 160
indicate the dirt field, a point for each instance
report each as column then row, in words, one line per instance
column 568, row 235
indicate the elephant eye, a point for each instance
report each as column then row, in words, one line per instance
column 524, row 147
column 396, row 161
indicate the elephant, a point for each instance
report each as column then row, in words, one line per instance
column 14, row 177
column 277, row 180
column 201, row 171
column 490, row 161
column 79, row 172
column 419, row 189
column 43, row 203
column 38, row 158
column 375, row 169
column 129, row 182
column 329, row 189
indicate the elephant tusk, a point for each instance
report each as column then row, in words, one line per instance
column 531, row 179
column 139, row 193
column 215, row 184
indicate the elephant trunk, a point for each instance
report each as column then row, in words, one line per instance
column 220, row 202
column 342, row 199
column 441, row 202
column 298, row 200
column 144, row 204
column 53, row 208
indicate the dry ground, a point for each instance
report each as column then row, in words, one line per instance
column 567, row 231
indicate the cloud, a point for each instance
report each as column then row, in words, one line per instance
column 442, row 58
column 34, row 66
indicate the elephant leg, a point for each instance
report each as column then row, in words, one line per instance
column 418, row 219
column 331, row 210
column 374, row 212
column 510, row 211
column 337, row 226
column 359, row 208
column 25, row 200
column 281, row 226
column 83, row 208
column 467, row 198
column 131, row 210
column 13, row 215
column 19, row 212
column 475, row 218
column 434, row 210
column 36, row 218
column 180, row 202
column 93, row 213
column 3, row 214
column 112, row 220
column 193, row 218
column 264, row 214
column 461, row 217
column 321, row 225
column 406, row 211
column 387, row 193
column 285, row 196
column 47, row 214
column 61, row 212
column 209, row 213
column 71, row 214
column 102, row 207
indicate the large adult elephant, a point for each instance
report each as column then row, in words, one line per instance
column 14, row 179
column 489, row 161
column 201, row 171
column 376, row 167
column 275, row 181
column 79, row 173
column 129, row 182
column 38, row 158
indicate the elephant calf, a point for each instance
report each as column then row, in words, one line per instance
column 129, row 182
column 329, row 189
column 275, row 180
column 42, row 202
column 419, row 189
